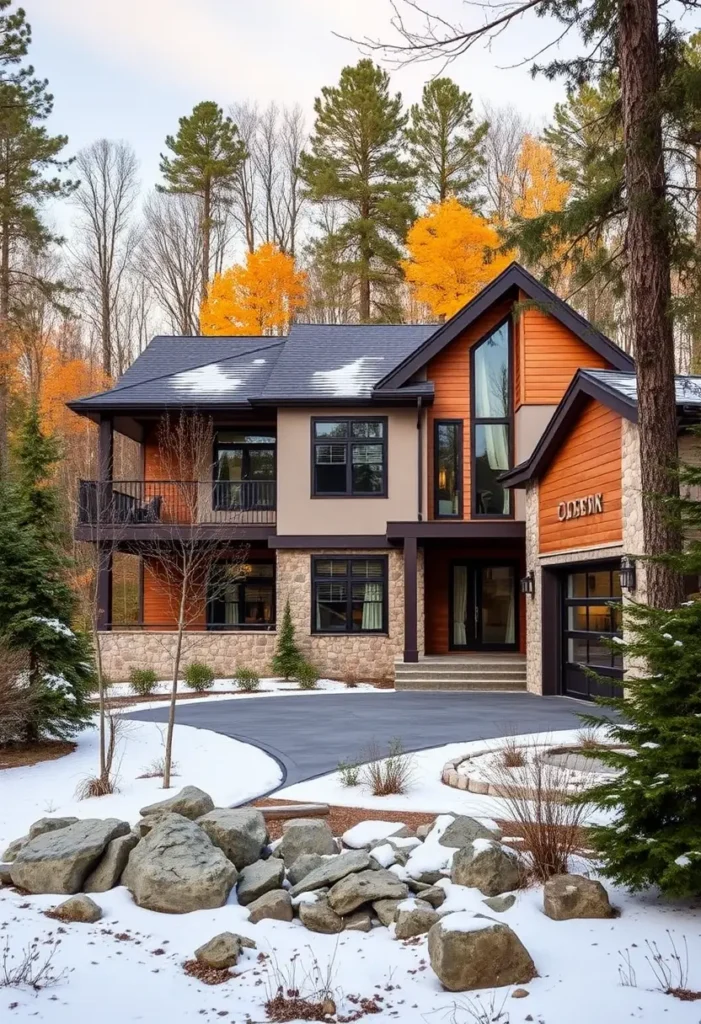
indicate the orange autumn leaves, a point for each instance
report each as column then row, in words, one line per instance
column 260, row 296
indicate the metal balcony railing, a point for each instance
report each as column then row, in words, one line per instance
column 176, row 502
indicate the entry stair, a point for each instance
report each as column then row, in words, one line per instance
column 479, row 671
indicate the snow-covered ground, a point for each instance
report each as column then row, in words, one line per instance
column 230, row 771
column 271, row 687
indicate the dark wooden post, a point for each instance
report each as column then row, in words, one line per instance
column 104, row 586
column 104, row 505
column 411, row 649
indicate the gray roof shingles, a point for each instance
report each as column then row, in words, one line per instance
column 688, row 389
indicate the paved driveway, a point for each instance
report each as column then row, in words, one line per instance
column 310, row 733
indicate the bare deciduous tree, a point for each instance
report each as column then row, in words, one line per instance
column 507, row 128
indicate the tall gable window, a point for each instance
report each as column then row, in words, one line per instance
column 349, row 457
column 491, row 422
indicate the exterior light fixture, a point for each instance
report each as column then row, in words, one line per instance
column 528, row 583
column 627, row 573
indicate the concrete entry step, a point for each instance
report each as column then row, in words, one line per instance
column 460, row 684
column 479, row 671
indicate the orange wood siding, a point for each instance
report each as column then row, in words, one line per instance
column 161, row 599
column 551, row 356
column 589, row 462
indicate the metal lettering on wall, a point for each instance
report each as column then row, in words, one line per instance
column 590, row 505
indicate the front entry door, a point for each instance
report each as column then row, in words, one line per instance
column 484, row 608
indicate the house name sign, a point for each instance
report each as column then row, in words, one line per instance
column 591, row 505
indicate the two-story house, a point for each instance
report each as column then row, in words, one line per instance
column 439, row 503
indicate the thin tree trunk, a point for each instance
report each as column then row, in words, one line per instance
column 650, row 287
column 106, row 329
column 4, row 346
column 174, row 689
column 365, row 256
column 696, row 335
column 206, row 233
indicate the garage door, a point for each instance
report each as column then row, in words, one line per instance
column 591, row 615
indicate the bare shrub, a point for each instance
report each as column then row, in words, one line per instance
column 590, row 738
column 671, row 970
column 156, row 768
column 299, row 989
column 31, row 966
column 544, row 815
column 16, row 696
column 350, row 772
column 388, row 773
column 511, row 754
column 481, row 1010
column 105, row 783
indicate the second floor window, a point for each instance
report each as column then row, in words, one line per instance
column 491, row 423
column 244, row 469
column 349, row 457
column 448, row 468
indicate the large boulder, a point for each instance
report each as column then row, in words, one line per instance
column 468, row 952
column 570, row 896
column 305, row 835
column 303, row 866
column 414, row 917
column 488, row 866
column 318, row 916
column 463, row 830
column 386, row 910
column 5, row 877
column 332, row 870
column 191, row 802
column 10, row 853
column 259, row 878
column 434, row 896
column 78, row 908
column 274, row 905
column 500, row 904
column 365, row 887
column 60, row 861
column 114, row 860
column 360, row 921
column 240, row 832
column 223, row 950
column 44, row 825
column 176, row 869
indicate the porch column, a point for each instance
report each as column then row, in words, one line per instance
column 105, row 450
column 411, row 647
column 104, row 586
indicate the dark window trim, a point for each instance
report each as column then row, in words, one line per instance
column 586, row 569
column 244, row 627
column 478, row 421
column 217, row 504
column 384, row 441
column 474, row 563
column 460, row 476
column 349, row 631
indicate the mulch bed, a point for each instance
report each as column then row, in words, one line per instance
column 21, row 755
column 208, row 975
column 342, row 818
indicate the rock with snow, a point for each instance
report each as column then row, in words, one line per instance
column 386, row 911
column 360, row 921
column 414, row 917
column 423, row 831
column 383, row 856
column 367, row 834
column 365, row 887
column 469, row 952
column 176, row 869
column 463, row 830
column 259, row 878
column 434, row 896
column 571, row 896
column 500, row 904
column 10, row 853
column 79, row 909
column 402, row 847
column 305, row 835
column 240, row 833
column 332, row 870
column 44, row 825
column 61, row 860
column 488, row 866
column 223, row 950
column 191, row 802
column 319, row 917
column 303, row 866
column 429, row 862
column 114, row 860
column 274, row 905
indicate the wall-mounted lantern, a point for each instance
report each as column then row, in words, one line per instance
column 528, row 583
column 627, row 573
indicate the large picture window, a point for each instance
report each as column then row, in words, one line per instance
column 244, row 469
column 246, row 600
column 349, row 595
column 447, row 447
column 349, row 457
column 491, row 422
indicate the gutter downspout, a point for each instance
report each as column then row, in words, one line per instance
column 420, row 459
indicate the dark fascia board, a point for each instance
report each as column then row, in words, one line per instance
column 582, row 388
column 475, row 529
column 394, row 397
column 513, row 278
column 320, row 540
column 85, row 407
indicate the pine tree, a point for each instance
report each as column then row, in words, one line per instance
column 652, row 835
column 207, row 156
column 36, row 600
column 287, row 657
column 355, row 161
column 445, row 143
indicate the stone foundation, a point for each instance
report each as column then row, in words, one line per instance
column 224, row 652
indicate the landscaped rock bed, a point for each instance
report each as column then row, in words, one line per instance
column 186, row 855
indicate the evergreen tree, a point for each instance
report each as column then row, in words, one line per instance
column 287, row 657
column 207, row 157
column 445, row 143
column 36, row 600
column 355, row 161
column 653, row 835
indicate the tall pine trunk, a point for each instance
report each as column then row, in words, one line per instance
column 696, row 337
column 364, row 273
column 206, row 233
column 4, row 345
column 650, row 287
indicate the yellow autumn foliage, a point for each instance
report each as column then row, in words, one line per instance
column 537, row 187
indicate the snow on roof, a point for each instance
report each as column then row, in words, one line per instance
column 350, row 380
column 688, row 389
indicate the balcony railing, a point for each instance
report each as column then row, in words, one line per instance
column 176, row 502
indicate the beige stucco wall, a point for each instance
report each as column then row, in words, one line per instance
column 298, row 513
column 529, row 423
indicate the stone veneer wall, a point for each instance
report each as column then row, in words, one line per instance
column 361, row 657
column 534, row 615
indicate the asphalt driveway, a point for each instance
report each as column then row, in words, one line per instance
column 308, row 734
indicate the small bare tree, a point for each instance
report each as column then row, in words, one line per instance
column 186, row 564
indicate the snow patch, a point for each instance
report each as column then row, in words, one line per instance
column 367, row 833
column 466, row 922
column 351, row 380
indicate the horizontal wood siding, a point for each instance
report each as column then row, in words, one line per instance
column 162, row 597
column 589, row 462
column 552, row 354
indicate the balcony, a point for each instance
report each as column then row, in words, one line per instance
column 134, row 508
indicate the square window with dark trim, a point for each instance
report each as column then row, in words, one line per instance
column 349, row 595
column 349, row 457
column 241, row 597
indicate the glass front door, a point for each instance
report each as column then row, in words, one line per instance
column 484, row 608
